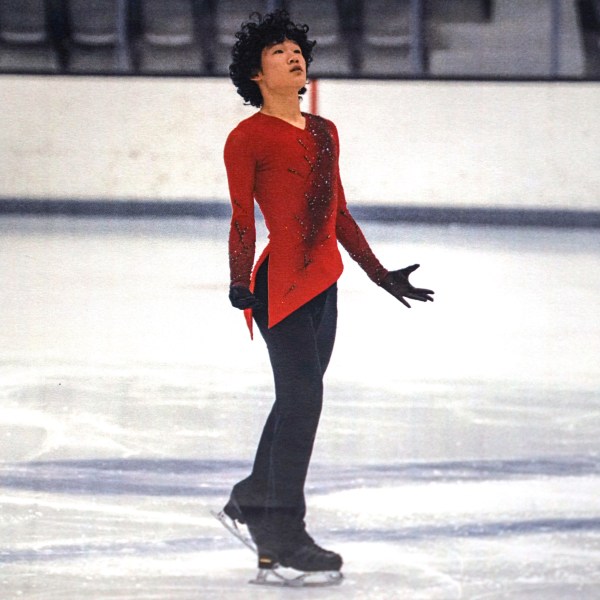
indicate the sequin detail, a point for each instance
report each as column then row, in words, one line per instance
column 320, row 194
column 242, row 245
column 294, row 179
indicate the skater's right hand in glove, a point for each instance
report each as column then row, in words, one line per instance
column 241, row 297
column 397, row 284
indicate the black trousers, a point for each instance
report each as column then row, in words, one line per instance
column 299, row 348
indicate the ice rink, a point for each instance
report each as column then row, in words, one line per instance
column 458, row 454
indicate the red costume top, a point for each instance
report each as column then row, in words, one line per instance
column 293, row 175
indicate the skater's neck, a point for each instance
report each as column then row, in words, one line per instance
column 285, row 107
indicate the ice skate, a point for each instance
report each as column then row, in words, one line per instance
column 231, row 526
column 277, row 577
column 292, row 558
column 305, row 565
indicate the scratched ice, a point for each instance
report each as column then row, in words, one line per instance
column 457, row 455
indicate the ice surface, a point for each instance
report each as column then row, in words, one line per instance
column 457, row 456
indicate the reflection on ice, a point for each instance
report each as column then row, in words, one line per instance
column 459, row 462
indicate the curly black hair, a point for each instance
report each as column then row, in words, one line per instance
column 252, row 38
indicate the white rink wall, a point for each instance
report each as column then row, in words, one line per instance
column 461, row 144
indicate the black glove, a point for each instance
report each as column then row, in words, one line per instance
column 241, row 297
column 397, row 284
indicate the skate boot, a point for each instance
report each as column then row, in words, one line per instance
column 309, row 557
column 250, row 516
column 233, row 509
column 281, row 543
column 283, row 540
column 287, row 544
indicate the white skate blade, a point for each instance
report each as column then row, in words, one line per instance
column 232, row 527
column 275, row 578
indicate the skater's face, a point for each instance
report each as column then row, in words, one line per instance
column 283, row 68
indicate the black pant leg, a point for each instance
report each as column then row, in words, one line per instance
column 299, row 350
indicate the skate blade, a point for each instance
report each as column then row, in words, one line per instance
column 274, row 578
column 232, row 527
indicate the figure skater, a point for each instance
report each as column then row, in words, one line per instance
column 287, row 161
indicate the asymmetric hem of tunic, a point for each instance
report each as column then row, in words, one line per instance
column 293, row 175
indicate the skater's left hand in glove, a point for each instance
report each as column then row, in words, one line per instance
column 241, row 297
column 397, row 284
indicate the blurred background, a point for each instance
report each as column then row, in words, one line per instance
column 500, row 97
column 357, row 38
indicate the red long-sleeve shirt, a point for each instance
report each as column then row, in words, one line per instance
column 293, row 175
